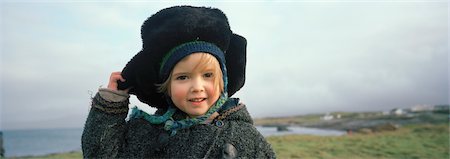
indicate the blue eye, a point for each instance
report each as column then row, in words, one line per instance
column 208, row 75
column 181, row 78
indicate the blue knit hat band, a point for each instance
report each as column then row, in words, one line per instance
column 176, row 54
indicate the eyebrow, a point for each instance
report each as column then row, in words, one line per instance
column 180, row 73
column 208, row 69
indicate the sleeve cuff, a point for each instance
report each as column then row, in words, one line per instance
column 114, row 102
column 113, row 95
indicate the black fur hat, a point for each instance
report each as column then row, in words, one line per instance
column 171, row 27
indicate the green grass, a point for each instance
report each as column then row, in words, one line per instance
column 419, row 141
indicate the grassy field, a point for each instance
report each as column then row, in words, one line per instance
column 415, row 141
column 418, row 141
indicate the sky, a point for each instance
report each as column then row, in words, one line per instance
column 303, row 57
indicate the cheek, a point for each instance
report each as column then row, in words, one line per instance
column 176, row 93
column 213, row 90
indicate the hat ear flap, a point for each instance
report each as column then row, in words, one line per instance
column 236, row 60
column 128, row 73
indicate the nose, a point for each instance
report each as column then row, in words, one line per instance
column 197, row 85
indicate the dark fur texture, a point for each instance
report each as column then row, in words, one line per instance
column 171, row 27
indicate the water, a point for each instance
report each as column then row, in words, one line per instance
column 271, row 131
column 41, row 142
column 46, row 141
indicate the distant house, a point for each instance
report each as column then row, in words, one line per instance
column 327, row 117
column 397, row 111
column 421, row 108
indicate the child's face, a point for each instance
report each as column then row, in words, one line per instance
column 192, row 90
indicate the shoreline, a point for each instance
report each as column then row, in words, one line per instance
column 355, row 121
column 65, row 154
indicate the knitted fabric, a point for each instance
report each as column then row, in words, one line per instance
column 179, row 52
column 172, row 125
column 108, row 106
column 169, row 61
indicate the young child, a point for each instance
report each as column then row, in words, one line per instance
column 190, row 65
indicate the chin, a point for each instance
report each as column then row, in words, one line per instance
column 197, row 114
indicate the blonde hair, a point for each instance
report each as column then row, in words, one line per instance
column 206, row 60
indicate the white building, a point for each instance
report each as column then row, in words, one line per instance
column 421, row 108
column 327, row 117
column 397, row 111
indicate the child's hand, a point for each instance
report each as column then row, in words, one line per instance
column 116, row 76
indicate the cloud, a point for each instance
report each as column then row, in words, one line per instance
column 49, row 67
column 347, row 58
column 302, row 57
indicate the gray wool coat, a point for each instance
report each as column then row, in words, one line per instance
column 107, row 135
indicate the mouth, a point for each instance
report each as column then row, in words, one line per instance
column 196, row 100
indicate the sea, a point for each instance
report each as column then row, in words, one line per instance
column 41, row 141
column 36, row 142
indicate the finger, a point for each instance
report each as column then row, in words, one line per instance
column 121, row 78
column 116, row 76
column 112, row 86
column 116, row 73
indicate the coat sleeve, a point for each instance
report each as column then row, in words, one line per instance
column 263, row 148
column 249, row 142
column 259, row 148
column 105, row 127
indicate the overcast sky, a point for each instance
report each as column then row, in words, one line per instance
column 303, row 57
